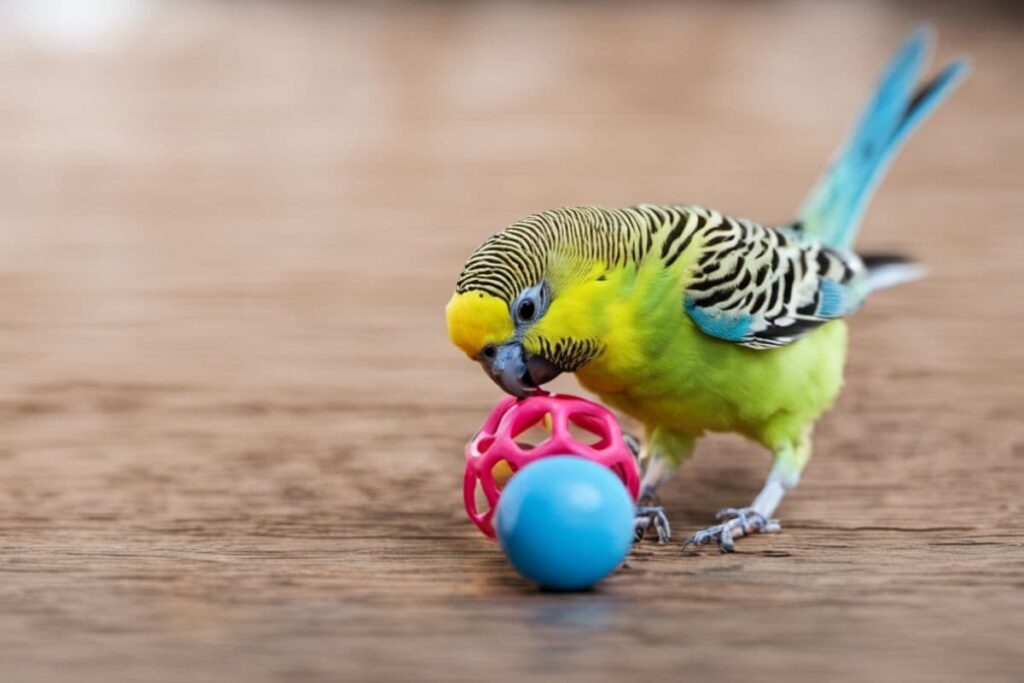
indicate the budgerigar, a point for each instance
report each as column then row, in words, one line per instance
column 691, row 321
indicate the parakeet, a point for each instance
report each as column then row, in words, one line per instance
column 691, row 321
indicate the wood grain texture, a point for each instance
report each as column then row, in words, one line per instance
column 232, row 424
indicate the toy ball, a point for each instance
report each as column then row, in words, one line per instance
column 494, row 455
column 565, row 522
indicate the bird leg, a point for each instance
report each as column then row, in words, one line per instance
column 739, row 522
column 649, row 513
column 657, row 469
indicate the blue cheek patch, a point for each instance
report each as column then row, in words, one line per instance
column 727, row 326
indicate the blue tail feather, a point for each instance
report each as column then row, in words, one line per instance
column 833, row 210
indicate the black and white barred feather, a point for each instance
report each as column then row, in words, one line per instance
column 757, row 286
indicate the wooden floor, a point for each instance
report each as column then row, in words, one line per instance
column 232, row 425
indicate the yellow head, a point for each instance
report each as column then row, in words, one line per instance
column 477, row 319
column 532, row 303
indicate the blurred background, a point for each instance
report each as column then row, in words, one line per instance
column 221, row 189
column 233, row 424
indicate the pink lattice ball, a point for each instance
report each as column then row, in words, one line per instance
column 494, row 454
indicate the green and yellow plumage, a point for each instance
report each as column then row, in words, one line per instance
column 691, row 321
column 621, row 292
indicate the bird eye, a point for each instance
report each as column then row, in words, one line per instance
column 489, row 351
column 527, row 309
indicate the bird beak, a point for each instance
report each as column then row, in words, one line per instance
column 515, row 372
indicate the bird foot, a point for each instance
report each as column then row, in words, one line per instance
column 739, row 522
column 649, row 513
column 652, row 517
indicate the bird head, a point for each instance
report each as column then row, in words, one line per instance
column 527, row 308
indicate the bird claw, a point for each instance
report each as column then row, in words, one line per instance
column 652, row 517
column 739, row 522
column 649, row 513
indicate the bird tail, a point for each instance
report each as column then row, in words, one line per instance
column 835, row 207
column 889, row 270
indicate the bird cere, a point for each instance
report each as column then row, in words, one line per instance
column 691, row 321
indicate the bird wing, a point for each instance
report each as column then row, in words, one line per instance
column 763, row 287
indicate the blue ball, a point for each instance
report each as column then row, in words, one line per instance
column 565, row 522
